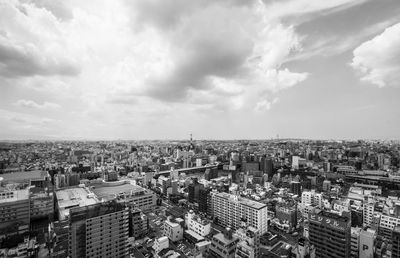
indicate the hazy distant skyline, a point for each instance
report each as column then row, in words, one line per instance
column 228, row 69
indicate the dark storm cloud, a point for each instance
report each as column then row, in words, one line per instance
column 22, row 61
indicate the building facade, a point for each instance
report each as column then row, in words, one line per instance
column 330, row 233
column 99, row 230
column 231, row 211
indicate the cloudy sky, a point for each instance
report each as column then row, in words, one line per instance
column 227, row 69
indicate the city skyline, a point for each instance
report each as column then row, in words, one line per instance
column 73, row 70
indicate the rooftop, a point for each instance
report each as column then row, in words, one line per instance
column 14, row 195
column 223, row 239
column 194, row 234
column 18, row 177
column 111, row 191
column 74, row 197
column 244, row 201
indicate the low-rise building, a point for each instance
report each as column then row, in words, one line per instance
column 173, row 228
column 160, row 244
column 198, row 224
column 223, row 245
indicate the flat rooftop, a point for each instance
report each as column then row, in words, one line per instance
column 73, row 197
column 244, row 201
column 223, row 239
column 19, row 177
column 195, row 235
column 110, row 191
column 14, row 195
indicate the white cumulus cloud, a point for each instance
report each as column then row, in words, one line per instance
column 33, row 104
column 378, row 60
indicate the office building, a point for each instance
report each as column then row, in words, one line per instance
column 396, row 242
column 367, row 243
column 286, row 214
column 368, row 211
column 326, row 186
column 386, row 225
column 295, row 188
column 193, row 191
column 14, row 211
column 231, row 210
column 267, row 166
column 204, row 199
column 330, row 233
column 99, row 230
column 69, row 198
column 138, row 223
column 355, row 242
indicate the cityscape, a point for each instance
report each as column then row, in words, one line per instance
column 199, row 129
column 195, row 198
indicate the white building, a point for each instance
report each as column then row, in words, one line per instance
column 368, row 212
column 366, row 247
column 173, row 229
column 231, row 209
column 311, row 198
column 160, row 244
column 387, row 224
column 249, row 244
column 199, row 162
column 295, row 162
column 197, row 224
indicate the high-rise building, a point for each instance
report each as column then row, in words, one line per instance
column 330, row 233
column 367, row 243
column 14, row 211
column 386, row 225
column 138, row 223
column 295, row 188
column 287, row 216
column 396, row 242
column 326, row 186
column 295, row 162
column 20, row 202
column 231, row 210
column 368, row 211
column 355, row 242
column 267, row 166
column 193, row 191
column 204, row 199
column 99, row 230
